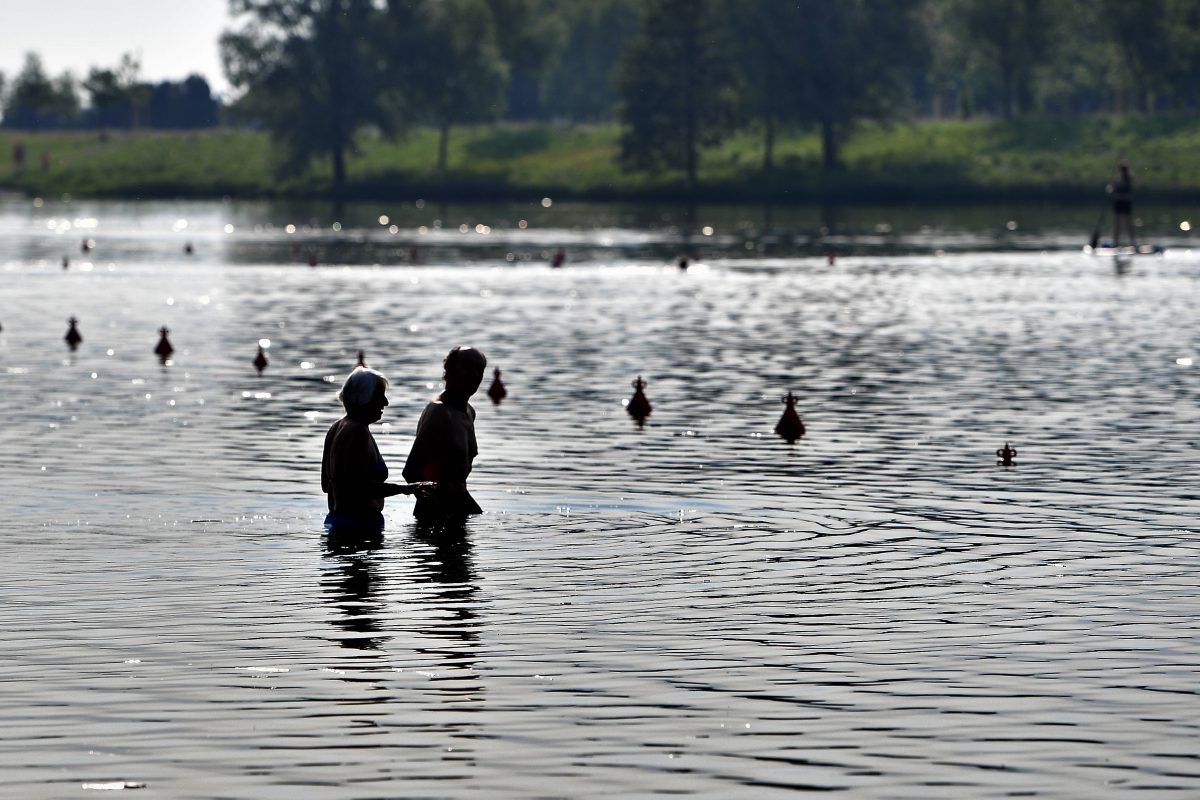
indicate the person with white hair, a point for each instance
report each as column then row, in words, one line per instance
column 353, row 472
column 444, row 447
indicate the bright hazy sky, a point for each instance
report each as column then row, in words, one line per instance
column 173, row 37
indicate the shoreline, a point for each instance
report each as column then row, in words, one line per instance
column 928, row 163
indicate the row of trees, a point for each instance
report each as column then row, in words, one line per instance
column 116, row 98
column 682, row 74
column 679, row 74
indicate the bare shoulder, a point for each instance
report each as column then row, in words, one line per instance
column 347, row 431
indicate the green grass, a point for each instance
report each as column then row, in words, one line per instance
column 950, row 161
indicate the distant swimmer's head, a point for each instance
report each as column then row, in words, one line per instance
column 364, row 394
column 464, row 371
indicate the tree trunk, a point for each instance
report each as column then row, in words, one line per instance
column 338, row 155
column 1006, row 87
column 689, row 109
column 769, row 145
column 443, row 144
column 830, row 157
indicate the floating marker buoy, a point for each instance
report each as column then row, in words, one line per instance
column 362, row 359
column 66, row 262
column 790, row 426
column 260, row 360
column 497, row 391
column 560, row 258
column 683, row 264
column 639, row 407
column 1006, row 455
column 312, row 259
column 73, row 337
column 87, row 246
column 187, row 249
column 163, row 349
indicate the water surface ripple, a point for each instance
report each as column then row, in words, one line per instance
column 691, row 608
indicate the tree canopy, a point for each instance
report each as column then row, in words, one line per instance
column 313, row 73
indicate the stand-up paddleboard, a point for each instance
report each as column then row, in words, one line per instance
column 1106, row 249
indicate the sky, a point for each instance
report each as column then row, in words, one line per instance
column 174, row 38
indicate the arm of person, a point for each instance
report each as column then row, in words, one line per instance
column 421, row 489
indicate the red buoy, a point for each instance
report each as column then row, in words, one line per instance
column 497, row 391
column 73, row 337
column 639, row 407
column 163, row 349
column 790, row 426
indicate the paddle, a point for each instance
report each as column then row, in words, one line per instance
column 1095, row 240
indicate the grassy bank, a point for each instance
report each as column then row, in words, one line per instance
column 935, row 162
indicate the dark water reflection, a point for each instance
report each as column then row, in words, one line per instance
column 694, row 607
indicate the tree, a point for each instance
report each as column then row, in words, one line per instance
column 579, row 84
column 446, row 59
column 112, row 93
column 677, row 85
column 37, row 101
column 182, row 105
column 529, row 33
column 1014, row 38
column 829, row 64
column 313, row 73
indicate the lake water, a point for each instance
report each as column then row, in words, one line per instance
column 695, row 607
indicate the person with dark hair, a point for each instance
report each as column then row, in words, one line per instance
column 353, row 472
column 1121, row 189
column 445, row 446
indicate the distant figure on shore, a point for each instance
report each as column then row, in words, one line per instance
column 445, row 447
column 560, row 258
column 353, row 472
column 18, row 156
column 1121, row 189
column 73, row 337
column 45, row 161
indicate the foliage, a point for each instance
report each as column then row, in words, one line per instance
column 797, row 58
column 449, row 65
column 312, row 73
column 529, row 33
column 580, row 83
column 678, row 88
column 36, row 101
